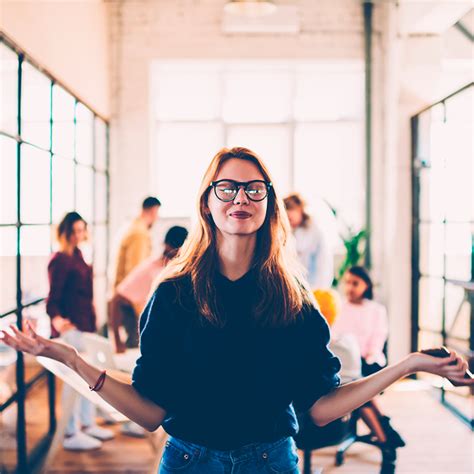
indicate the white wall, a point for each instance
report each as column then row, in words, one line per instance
column 69, row 39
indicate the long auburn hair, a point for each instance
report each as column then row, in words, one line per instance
column 283, row 290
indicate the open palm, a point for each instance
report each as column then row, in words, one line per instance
column 32, row 343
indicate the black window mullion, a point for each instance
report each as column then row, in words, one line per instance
column 22, row 455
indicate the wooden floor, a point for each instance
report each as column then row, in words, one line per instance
column 436, row 442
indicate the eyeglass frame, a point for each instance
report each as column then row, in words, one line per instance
column 240, row 184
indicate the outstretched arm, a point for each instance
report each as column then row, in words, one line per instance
column 122, row 396
column 348, row 397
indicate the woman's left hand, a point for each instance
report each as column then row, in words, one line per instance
column 453, row 367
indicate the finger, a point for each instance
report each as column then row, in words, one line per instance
column 30, row 330
column 26, row 342
column 10, row 341
column 447, row 360
column 19, row 334
column 456, row 373
column 6, row 338
column 463, row 381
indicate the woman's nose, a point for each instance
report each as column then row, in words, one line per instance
column 241, row 197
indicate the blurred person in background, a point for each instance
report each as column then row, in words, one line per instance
column 366, row 321
column 136, row 244
column 132, row 293
column 312, row 246
column 71, row 308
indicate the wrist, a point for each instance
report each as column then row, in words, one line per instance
column 71, row 358
column 408, row 365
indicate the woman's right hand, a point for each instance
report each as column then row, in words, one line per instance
column 32, row 343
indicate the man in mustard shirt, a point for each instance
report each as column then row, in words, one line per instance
column 136, row 244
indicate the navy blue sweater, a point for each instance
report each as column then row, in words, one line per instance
column 224, row 388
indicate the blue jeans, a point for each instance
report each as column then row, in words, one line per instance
column 262, row 458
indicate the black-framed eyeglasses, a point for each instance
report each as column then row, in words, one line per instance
column 226, row 190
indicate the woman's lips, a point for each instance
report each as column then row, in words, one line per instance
column 240, row 215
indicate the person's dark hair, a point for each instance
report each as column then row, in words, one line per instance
column 176, row 236
column 150, row 202
column 363, row 274
column 65, row 227
column 174, row 239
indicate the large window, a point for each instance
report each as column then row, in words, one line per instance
column 443, row 224
column 53, row 159
column 305, row 119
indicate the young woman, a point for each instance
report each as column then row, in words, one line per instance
column 71, row 308
column 364, row 318
column 229, row 336
column 346, row 344
column 313, row 249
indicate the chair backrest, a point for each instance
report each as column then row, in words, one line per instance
column 311, row 436
column 99, row 351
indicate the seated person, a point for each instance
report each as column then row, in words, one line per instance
column 132, row 293
column 345, row 346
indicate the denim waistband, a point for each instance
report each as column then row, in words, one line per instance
column 236, row 455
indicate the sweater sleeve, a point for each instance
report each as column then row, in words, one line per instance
column 317, row 368
column 57, row 274
column 156, row 373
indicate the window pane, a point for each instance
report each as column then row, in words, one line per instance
column 433, row 193
column 63, row 187
column 35, row 185
column 257, row 96
column 459, row 174
column 8, row 180
column 272, row 144
column 84, row 192
column 329, row 164
column 100, row 144
column 458, row 251
column 431, row 303
column 427, row 340
column 100, row 197
column 457, row 312
column 329, row 92
column 178, row 189
column 7, row 269
column 99, row 240
column 432, row 249
column 84, row 135
column 63, row 122
column 8, row 90
column 35, row 106
column 187, row 92
column 35, row 247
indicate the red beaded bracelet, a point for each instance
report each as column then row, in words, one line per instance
column 100, row 382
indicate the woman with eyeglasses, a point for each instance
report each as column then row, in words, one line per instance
column 229, row 337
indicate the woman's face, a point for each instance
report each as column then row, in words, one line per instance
column 79, row 233
column 241, row 216
column 354, row 287
column 295, row 216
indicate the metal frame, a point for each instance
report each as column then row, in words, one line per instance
column 26, row 463
column 416, row 166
